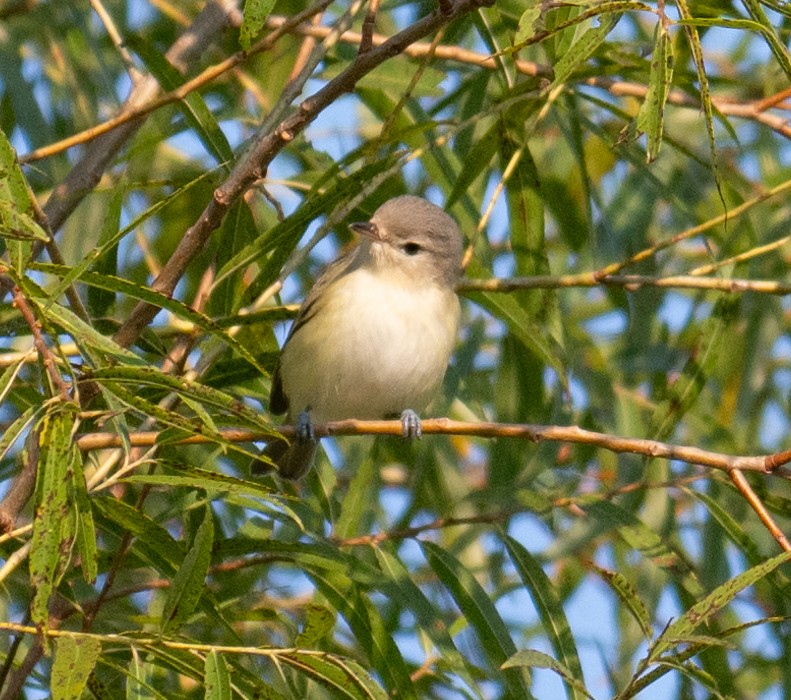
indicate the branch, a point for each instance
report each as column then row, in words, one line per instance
column 765, row 464
column 630, row 282
column 255, row 163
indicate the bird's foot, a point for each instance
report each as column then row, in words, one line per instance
column 410, row 424
column 303, row 428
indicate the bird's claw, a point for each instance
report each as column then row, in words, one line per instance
column 303, row 428
column 411, row 427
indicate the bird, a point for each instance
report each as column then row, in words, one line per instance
column 374, row 336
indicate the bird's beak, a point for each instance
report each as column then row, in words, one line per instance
column 368, row 229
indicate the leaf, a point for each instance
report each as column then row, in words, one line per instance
column 85, row 528
column 187, row 587
column 550, row 610
column 345, row 677
column 583, row 48
column 629, row 597
column 493, row 636
column 192, row 106
column 217, row 680
column 255, row 14
column 650, row 118
column 404, row 589
column 367, row 626
column 16, row 205
column 75, row 659
column 53, row 533
column 319, row 621
column 715, row 601
column 537, row 659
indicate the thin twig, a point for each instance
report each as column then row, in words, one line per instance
column 751, row 497
column 117, row 39
column 366, row 38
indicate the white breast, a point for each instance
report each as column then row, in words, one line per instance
column 374, row 347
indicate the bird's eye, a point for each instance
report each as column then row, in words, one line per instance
column 411, row 248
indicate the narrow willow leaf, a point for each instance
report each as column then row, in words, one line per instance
column 255, row 14
column 187, row 587
column 629, row 597
column 477, row 162
column 152, row 543
column 84, row 333
column 143, row 293
column 696, row 48
column 405, row 590
column 217, row 681
column 140, row 679
column 721, row 596
column 52, row 525
column 538, row 659
column 525, row 328
column 639, row 536
column 476, row 606
column 583, row 48
column 650, row 118
column 85, row 527
column 213, row 482
column 319, row 621
column 192, row 106
column 17, row 428
column 550, row 610
column 16, row 207
column 367, row 626
column 344, row 677
column 75, row 659
column 243, row 415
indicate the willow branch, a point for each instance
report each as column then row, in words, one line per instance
column 741, row 483
column 765, row 464
column 630, row 282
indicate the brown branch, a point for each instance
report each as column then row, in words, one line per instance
column 255, row 163
column 765, row 464
column 418, row 49
column 741, row 483
column 366, row 38
column 630, row 282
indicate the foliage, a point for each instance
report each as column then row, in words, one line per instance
column 627, row 161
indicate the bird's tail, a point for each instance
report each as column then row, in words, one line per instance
column 292, row 461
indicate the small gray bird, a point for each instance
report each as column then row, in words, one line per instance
column 373, row 338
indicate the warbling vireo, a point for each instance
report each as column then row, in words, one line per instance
column 373, row 338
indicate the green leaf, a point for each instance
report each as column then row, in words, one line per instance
column 75, row 659
column 187, row 587
column 255, row 14
column 192, row 106
column 53, row 532
column 553, row 620
column 217, row 680
column 16, row 205
column 715, row 601
column 319, row 621
column 582, row 49
column 651, row 117
column 85, row 528
column 344, row 677
column 537, row 659
column 476, row 606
